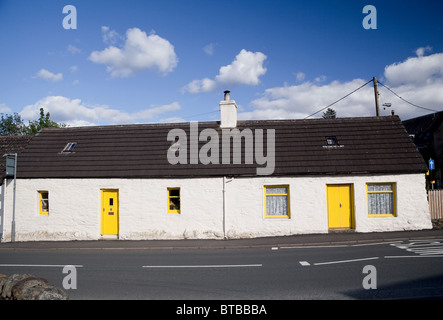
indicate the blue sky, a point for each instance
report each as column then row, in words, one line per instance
column 140, row 61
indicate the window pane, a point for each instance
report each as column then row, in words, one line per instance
column 276, row 190
column 174, row 204
column 45, row 205
column 381, row 203
column 277, row 205
column 174, row 192
column 331, row 141
column 380, row 187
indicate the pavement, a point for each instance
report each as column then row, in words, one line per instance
column 332, row 238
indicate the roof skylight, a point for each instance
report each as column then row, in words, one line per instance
column 69, row 148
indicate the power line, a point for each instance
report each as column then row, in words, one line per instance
column 199, row 114
column 412, row 104
column 339, row 99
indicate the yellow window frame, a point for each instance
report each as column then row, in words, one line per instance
column 271, row 216
column 43, row 207
column 170, row 203
column 393, row 192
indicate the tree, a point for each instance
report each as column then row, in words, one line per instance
column 42, row 122
column 329, row 114
column 13, row 125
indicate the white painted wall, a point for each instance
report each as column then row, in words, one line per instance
column 308, row 202
column 75, row 207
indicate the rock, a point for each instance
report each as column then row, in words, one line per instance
column 22, row 288
column 3, row 279
column 44, row 293
column 28, row 287
column 437, row 224
column 10, row 282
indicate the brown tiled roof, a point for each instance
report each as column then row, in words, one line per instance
column 423, row 127
column 366, row 145
column 10, row 145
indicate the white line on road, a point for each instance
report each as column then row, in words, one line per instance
column 314, row 247
column 209, row 266
column 304, row 263
column 345, row 261
column 41, row 265
column 422, row 256
column 374, row 244
column 338, row 245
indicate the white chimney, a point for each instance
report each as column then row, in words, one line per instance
column 228, row 111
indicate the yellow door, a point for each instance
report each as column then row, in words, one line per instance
column 109, row 219
column 340, row 206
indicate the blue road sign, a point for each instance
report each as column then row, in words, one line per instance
column 431, row 164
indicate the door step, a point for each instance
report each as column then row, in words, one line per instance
column 341, row 230
column 108, row 237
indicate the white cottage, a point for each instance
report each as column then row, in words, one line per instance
column 215, row 180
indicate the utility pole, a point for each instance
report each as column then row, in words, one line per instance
column 377, row 107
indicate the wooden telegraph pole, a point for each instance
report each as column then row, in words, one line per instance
column 377, row 107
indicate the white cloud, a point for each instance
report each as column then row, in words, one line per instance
column 49, row 76
column 421, row 51
column 139, row 52
column 111, row 36
column 5, row 109
column 73, row 49
column 73, row 69
column 300, row 76
column 75, row 113
column 418, row 80
column 246, row 69
column 300, row 101
column 419, row 70
column 209, row 49
column 203, row 85
column 321, row 78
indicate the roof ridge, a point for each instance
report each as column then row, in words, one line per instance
column 268, row 121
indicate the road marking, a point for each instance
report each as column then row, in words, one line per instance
column 312, row 247
column 209, row 266
column 422, row 247
column 41, row 265
column 374, row 244
column 345, row 261
column 304, row 263
column 422, row 256
column 392, row 243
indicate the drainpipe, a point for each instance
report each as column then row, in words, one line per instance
column 2, row 209
column 13, row 201
column 224, row 208
column 8, row 165
column 224, row 205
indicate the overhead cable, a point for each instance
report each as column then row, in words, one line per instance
column 339, row 99
column 412, row 104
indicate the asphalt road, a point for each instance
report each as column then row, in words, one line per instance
column 402, row 269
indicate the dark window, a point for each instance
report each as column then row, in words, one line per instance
column 331, row 141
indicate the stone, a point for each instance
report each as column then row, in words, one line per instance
column 29, row 287
column 23, row 287
column 10, row 282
